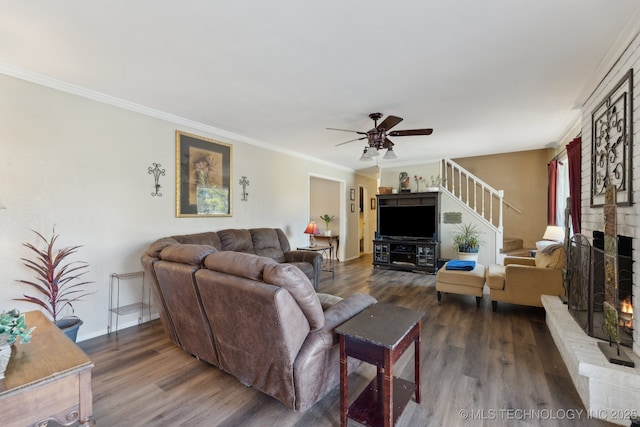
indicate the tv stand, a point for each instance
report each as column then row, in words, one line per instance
column 406, row 254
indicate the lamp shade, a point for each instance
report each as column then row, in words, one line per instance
column 364, row 156
column 554, row 232
column 312, row 228
column 390, row 154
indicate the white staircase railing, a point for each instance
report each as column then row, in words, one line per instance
column 480, row 197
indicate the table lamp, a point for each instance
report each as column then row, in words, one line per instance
column 312, row 230
column 553, row 234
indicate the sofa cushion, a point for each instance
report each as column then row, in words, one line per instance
column 236, row 240
column 266, row 243
column 156, row 247
column 327, row 300
column 207, row 238
column 297, row 283
column 551, row 257
column 187, row 254
column 249, row 266
column 495, row 276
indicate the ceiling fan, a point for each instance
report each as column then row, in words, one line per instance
column 377, row 138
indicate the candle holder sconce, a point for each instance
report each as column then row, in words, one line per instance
column 156, row 171
column 244, row 182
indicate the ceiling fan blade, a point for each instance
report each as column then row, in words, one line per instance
column 411, row 132
column 387, row 143
column 347, row 130
column 351, row 140
column 389, row 122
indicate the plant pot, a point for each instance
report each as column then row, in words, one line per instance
column 70, row 326
column 468, row 256
column 327, row 233
column 433, row 189
column 5, row 354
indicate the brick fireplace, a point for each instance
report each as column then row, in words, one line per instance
column 606, row 389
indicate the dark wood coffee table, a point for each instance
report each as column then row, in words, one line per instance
column 379, row 335
column 48, row 379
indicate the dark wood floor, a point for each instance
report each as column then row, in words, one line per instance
column 478, row 368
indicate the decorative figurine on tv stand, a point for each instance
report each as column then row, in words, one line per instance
column 404, row 182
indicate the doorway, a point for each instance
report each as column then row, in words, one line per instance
column 326, row 197
column 364, row 220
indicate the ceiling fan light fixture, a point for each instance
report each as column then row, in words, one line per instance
column 365, row 157
column 390, row 154
column 372, row 152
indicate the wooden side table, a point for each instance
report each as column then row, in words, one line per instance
column 47, row 379
column 379, row 335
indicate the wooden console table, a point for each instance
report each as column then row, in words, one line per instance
column 48, row 379
column 379, row 335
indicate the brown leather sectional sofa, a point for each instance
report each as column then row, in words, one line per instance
column 254, row 317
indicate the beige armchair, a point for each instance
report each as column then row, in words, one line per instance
column 524, row 280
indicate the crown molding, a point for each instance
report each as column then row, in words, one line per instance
column 72, row 89
column 624, row 40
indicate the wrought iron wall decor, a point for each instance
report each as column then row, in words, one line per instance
column 245, row 183
column 156, row 171
column 612, row 128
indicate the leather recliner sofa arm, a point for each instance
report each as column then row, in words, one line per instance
column 344, row 310
column 313, row 258
column 317, row 363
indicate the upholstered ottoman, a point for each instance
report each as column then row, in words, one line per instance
column 461, row 282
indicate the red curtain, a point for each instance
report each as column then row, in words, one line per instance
column 574, row 155
column 551, row 192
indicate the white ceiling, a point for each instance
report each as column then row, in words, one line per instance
column 488, row 76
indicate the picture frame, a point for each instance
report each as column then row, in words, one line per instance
column 352, row 194
column 373, row 203
column 353, row 207
column 203, row 176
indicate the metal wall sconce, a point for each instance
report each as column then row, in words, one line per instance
column 244, row 182
column 156, row 171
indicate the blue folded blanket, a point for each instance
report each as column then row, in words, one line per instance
column 455, row 264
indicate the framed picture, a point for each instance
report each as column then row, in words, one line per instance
column 353, row 207
column 352, row 194
column 373, row 203
column 203, row 176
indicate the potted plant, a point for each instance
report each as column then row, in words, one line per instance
column 12, row 327
column 57, row 281
column 466, row 241
column 327, row 219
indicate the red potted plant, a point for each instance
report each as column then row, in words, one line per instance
column 57, row 281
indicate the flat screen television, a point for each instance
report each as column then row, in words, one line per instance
column 408, row 222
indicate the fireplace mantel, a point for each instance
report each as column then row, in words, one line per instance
column 606, row 390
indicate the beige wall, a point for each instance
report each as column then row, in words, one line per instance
column 523, row 177
column 81, row 165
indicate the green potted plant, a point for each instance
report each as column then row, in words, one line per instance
column 12, row 327
column 466, row 241
column 327, row 219
column 57, row 281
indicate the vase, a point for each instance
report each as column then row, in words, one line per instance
column 468, row 256
column 70, row 325
column 5, row 354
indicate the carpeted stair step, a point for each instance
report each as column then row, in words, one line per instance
column 510, row 244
